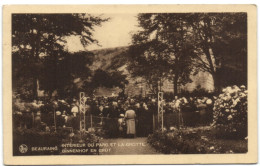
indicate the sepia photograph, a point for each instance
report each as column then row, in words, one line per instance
column 129, row 83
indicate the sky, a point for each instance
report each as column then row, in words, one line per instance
column 113, row 33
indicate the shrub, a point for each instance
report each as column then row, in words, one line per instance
column 198, row 140
column 179, row 142
column 230, row 113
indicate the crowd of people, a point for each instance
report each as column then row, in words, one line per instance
column 116, row 116
column 121, row 117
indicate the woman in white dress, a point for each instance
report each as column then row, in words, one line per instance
column 130, row 122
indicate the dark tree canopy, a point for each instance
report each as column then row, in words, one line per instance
column 175, row 45
column 48, row 27
column 222, row 39
column 38, row 42
column 60, row 73
column 162, row 49
column 108, row 79
column 169, row 46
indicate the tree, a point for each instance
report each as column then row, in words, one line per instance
column 37, row 35
column 165, row 45
column 145, row 61
column 106, row 79
column 190, row 42
column 221, row 46
column 65, row 73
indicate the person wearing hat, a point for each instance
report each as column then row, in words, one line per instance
column 64, row 118
column 121, row 124
column 74, row 110
column 28, row 119
column 106, row 110
column 75, row 120
column 139, row 116
column 130, row 121
column 113, row 121
column 37, row 120
column 58, row 119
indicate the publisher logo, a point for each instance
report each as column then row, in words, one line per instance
column 23, row 148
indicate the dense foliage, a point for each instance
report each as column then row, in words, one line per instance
column 39, row 55
column 230, row 112
column 175, row 45
column 176, row 142
column 194, row 141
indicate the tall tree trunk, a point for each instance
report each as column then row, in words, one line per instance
column 176, row 77
column 35, row 54
column 211, row 57
column 160, row 85
column 175, row 83
column 34, row 78
column 217, row 83
column 157, row 88
column 50, row 94
column 213, row 70
column 35, row 88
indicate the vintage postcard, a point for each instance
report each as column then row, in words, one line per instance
column 129, row 84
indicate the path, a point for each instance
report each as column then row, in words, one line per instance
column 120, row 146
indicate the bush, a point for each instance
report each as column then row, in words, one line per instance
column 199, row 140
column 179, row 142
column 230, row 113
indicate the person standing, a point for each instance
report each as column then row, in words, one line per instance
column 130, row 122
column 64, row 119
column 37, row 120
column 75, row 118
column 147, row 120
column 74, row 109
column 121, row 124
column 113, row 121
column 138, row 121
column 58, row 119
